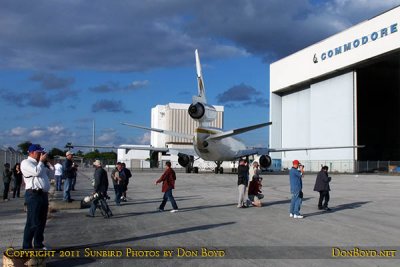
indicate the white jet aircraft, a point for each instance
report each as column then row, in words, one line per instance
column 209, row 143
column 214, row 144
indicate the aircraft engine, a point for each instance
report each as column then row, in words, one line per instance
column 202, row 112
column 183, row 160
column 265, row 161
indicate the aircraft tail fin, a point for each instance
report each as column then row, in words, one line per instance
column 201, row 97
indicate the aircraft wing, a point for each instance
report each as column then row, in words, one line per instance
column 222, row 135
column 173, row 151
column 252, row 151
column 311, row 148
column 182, row 135
column 186, row 151
column 135, row 147
column 152, row 148
column 266, row 151
column 70, row 145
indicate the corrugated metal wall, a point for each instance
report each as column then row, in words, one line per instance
column 178, row 120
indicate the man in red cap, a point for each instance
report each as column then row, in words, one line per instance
column 296, row 186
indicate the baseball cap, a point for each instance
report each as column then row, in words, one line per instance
column 35, row 148
column 296, row 162
column 69, row 153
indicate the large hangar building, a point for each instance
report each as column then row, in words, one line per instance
column 342, row 91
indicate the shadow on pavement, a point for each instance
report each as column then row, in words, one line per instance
column 149, row 236
column 347, row 206
column 207, row 207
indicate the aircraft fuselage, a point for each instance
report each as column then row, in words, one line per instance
column 225, row 149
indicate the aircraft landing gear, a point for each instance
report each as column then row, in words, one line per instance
column 218, row 169
column 187, row 162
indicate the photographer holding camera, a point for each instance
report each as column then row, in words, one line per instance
column 100, row 185
column 37, row 186
column 296, row 186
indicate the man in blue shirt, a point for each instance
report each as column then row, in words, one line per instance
column 296, row 186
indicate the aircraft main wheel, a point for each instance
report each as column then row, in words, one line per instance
column 188, row 169
column 221, row 170
column 196, row 170
column 216, row 170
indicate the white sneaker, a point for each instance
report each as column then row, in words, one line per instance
column 298, row 216
column 172, row 211
column 291, row 215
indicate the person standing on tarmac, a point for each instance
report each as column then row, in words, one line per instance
column 243, row 180
column 168, row 179
column 37, row 186
column 322, row 186
column 68, row 173
column 296, row 186
column 7, row 177
column 100, row 185
column 118, row 178
column 128, row 175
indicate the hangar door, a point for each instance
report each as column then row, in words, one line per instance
column 321, row 115
column 378, row 96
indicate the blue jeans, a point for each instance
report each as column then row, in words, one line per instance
column 73, row 182
column 93, row 207
column 118, row 193
column 67, row 189
column 6, row 189
column 17, row 189
column 37, row 204
column 168, row 195
column 295, row 204
column 58, row 182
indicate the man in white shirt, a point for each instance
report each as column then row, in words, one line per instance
column 58, row 175
column 37, row 186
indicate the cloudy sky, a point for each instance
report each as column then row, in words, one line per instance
column 64, row 64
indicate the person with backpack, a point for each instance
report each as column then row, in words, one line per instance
column 168, row 183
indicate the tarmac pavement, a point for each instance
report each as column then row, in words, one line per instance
column 209, row 230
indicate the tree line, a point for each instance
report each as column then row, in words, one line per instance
column 96, row 154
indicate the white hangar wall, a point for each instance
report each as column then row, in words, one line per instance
column 313, row 93
column 321, row 115
column 361, row 42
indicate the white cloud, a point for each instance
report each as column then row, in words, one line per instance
column 37, row 133
column 139, row 84
column 107, row 137
column 18, row 131
column 56, row 130
column 145, row 139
